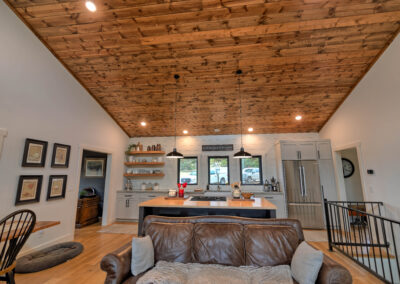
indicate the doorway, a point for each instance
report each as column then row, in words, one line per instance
column 92, row 188
column 349, row 174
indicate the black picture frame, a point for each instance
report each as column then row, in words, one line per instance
column 29, row 159
column 20, row 199
column 208, row 171
column 54, row 162
column 260, row 170
column 197, row 169
column 50, row 187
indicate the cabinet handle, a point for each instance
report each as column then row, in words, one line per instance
column 152, row 196
column 126, row 203
column 319, row 156
column 269, row 197
column 300, row 155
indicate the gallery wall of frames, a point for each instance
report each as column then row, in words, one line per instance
column 30, row 186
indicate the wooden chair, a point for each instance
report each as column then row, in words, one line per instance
column 14, row 231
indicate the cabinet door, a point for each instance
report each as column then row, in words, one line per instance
column 327, row 179
column 324, row 150
column 289, row 151
column 122, row 208
column 307, row 150
column 133, row 208
column 279, row 202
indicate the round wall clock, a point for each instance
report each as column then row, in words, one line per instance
column 348, row 168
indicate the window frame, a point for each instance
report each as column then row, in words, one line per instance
column 197, row 169
column 259, row 157
column 208, row 170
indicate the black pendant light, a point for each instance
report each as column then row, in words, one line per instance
column 242, row 154
column 175, row 154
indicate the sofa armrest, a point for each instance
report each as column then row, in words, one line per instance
column 117, row 264
column 332, row 272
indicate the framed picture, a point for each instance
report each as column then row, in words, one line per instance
column 29, row 188
column 34, row 153
column 94, row 167
column 57, row 187
column 60, row 158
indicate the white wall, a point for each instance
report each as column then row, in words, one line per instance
column 256, row 144
column 370, row 116
column 39, row 99
column 352, row 183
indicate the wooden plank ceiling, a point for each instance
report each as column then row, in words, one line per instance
column 297, row 56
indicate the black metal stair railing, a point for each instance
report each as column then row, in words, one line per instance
column 358, row 230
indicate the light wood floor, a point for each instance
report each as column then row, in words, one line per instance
column 86, row 267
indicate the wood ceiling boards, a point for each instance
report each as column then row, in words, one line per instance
column 298, row 57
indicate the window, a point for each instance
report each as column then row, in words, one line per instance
column 251, row 171
column 218, row 170
column 188, row 170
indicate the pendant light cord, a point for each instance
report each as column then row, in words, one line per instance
column 176, row 76
column 238, row 72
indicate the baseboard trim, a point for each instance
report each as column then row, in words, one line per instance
column 65, row 238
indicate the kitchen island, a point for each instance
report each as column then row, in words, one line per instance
column 259, row 208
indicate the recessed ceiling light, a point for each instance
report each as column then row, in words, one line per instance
column 298, row 117
column 216, row 130
column 250, row 129
column 143, row 123
column 90, row 6
column 185, row 132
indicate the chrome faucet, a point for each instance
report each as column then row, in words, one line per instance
column 218, row 188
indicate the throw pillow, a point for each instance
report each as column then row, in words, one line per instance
column 306, row 263
column 142, row 255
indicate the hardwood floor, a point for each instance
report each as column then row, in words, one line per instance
column 86, row 267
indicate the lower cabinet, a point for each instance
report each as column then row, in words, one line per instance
column 128, row 204
column 279, row 202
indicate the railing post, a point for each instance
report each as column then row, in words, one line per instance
column 328, row 224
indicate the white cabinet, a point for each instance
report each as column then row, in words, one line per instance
column 324, row 150
column 127, row 208
column 278, row 200
column 299, row 150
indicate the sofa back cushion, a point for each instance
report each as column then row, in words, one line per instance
column 172, row 242
column 218, row 244
column 269, row 245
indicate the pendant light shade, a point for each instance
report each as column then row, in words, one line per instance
column 175, row 154
column 242, row 154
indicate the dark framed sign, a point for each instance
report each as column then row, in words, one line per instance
column 60, row 158
column 57, row 187
column 29, row 188
column 34, row 153
column 223, row 147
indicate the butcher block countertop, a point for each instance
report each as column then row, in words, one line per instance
column 258, row 203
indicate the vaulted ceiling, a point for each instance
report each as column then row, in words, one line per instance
column 297, row 56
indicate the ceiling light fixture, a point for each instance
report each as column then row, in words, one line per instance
column 143, row 123
column 175, row 154
column 298, row 117
column 185, row 132
column 250, row 129
column 90, row 6
column 241, row 154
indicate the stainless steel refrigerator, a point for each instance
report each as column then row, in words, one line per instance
column 303, row 193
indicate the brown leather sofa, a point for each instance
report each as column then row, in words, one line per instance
column 223, row 240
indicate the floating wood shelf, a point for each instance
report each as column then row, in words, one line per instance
column 144, row 175
column 146, row 153
column 144, row 163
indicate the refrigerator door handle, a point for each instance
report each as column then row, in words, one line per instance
column 304, row 181
column 301, row 181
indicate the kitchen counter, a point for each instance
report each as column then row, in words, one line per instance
column 200, row 192
column 260, row 208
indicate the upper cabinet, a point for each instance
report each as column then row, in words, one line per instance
column 324, row 150
column 299, row 150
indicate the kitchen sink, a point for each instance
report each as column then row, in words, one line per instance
column 208, row 198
